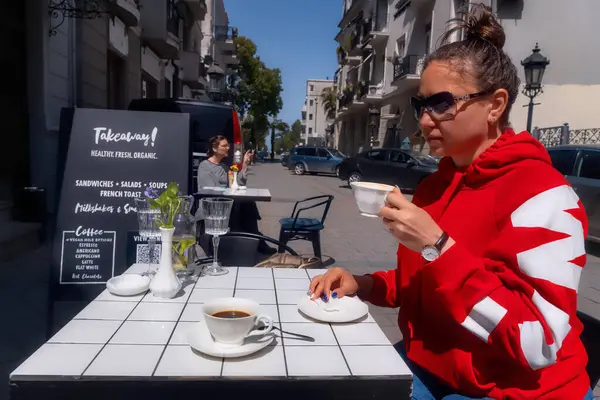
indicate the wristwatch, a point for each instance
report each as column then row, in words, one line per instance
column 430, row 253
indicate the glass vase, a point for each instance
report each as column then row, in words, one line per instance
column 184, row 237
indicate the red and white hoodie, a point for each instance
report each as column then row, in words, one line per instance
column 495, row 315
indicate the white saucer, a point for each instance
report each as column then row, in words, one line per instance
column 200, row 339
column 346, row 309
column 128, row 284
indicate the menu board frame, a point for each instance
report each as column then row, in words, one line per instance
column 83, row 211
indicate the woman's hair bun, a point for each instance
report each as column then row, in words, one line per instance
column 480, row 24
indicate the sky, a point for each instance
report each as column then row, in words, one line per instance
column 296, row 36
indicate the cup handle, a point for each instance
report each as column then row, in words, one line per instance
column 268, row 321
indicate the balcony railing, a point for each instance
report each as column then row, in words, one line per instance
column 409, row 65
column 346, row 99
column 220, row 95
column 224, row 32
column 362, row 89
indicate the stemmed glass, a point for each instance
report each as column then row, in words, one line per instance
column 216, row 223
column 147, row 218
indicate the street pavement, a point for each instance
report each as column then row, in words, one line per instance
column 349, row 240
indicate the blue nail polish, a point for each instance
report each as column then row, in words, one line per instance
column 325, row 297
column 309, row 293
column 334, row 295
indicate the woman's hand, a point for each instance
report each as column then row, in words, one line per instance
column 247, row 157
column 411, row 225
column 337, row 279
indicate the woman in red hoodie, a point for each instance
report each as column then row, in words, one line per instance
column 492, row 245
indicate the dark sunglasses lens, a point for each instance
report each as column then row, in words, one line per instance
column 441, row 105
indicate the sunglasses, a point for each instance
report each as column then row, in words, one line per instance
column 441, row 106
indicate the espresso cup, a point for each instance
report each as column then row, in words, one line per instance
column 370, row 197
column 231, row 320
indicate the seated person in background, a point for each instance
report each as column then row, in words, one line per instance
column 212, row 172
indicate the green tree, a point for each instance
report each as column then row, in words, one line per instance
column 329, row 100
column 286, row 141
column 278, row 129
column 258, row 90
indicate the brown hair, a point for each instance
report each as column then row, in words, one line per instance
column 214, row 142
column 480, row 54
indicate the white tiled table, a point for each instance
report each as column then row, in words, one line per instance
column 248, row 194
column 119, row 346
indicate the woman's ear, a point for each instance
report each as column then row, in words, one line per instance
column 499, row 102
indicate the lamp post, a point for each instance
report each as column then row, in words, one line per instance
column 535, row 66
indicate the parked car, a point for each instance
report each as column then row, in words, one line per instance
column 404, row 168
column 580, row 164
column 284, row 157
column 314, row 160
column 207, row 119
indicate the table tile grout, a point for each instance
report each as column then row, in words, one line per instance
column 109, row 339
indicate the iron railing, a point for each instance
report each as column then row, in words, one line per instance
column 558, row 135
column 409, row 65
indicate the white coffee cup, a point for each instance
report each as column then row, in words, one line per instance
column 233, row 331
column 370, row 197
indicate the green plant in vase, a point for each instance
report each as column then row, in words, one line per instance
column 169, row 203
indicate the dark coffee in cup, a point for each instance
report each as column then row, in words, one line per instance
column 231, row 314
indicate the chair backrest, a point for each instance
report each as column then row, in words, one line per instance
column 240, row 249
column 312, row 203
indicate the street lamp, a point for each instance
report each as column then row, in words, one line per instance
column 535, row 66
column 373, row 123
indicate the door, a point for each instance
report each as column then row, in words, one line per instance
column 326, row 163
column 587, row 185
column 311, row 160
column 373, row 166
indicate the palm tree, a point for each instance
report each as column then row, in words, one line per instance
column 329, row 100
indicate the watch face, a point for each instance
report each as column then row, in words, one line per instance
column 430, row 253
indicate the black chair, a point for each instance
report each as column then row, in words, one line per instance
column 299, row 228
column 240, row 249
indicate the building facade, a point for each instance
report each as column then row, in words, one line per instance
column 315, row 119
column 122, row 50
column 383, row 45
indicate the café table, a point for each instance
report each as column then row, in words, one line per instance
column 249, row 194
column 136, row 347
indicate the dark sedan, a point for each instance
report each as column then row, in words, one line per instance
column 404, row 168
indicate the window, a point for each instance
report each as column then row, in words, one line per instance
column 322, row 153
column 310, row 152
column 310, row 116
column 401, row 46
column 149, row 87
column 459, row 7
column 168, row 89
column 427, row 38
column 399, row 157
column 310, row 129
column 563, row 160
column 590, row 165
column 376, row 155
column 115, row 82
column 312, row 87
column 311, row 103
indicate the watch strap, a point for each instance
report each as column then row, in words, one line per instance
column 441, row 242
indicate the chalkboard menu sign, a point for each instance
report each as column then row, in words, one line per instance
column 111, row 156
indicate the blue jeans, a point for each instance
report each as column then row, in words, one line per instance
column 427, row 387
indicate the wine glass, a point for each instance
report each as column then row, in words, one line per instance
column 148, row 228
column 216, row 223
